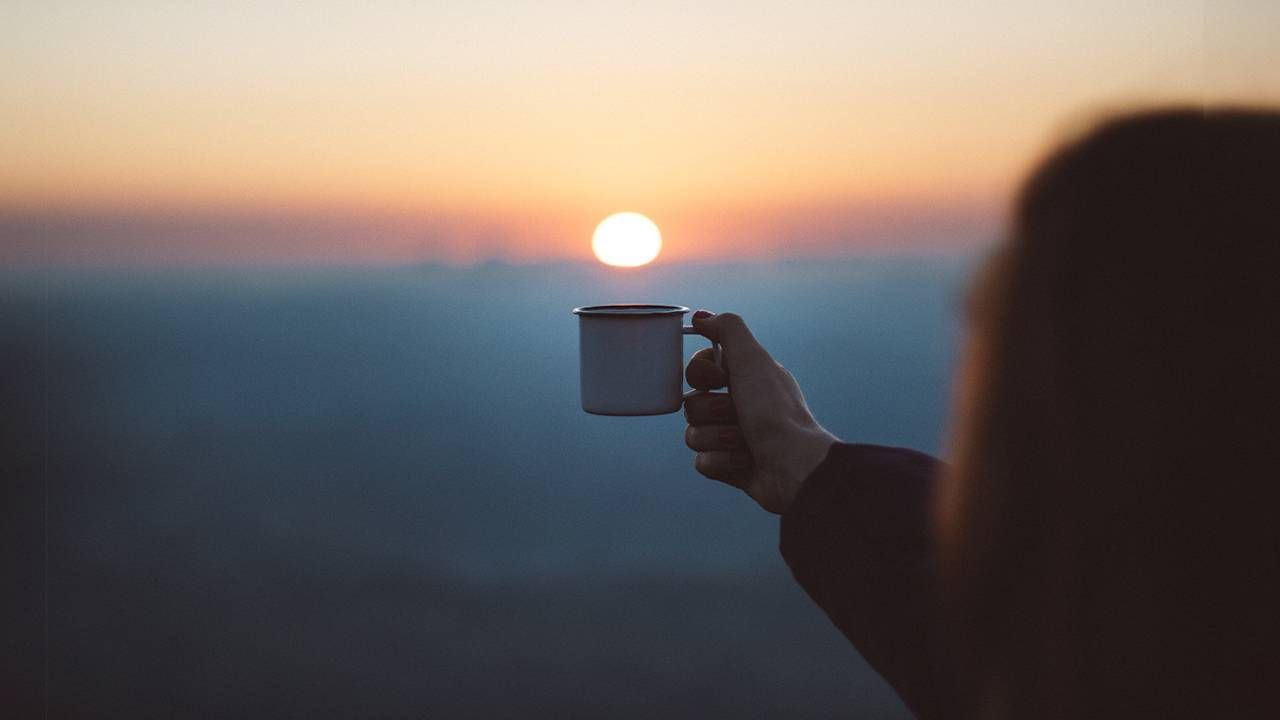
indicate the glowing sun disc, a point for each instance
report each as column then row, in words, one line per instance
column 626, row 239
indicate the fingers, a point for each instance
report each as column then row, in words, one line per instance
column 704, row 408
column 713, row 437
column 733, row 467
column 725, row 328
column 741, row 350
column 703, row 373
column 708, row 354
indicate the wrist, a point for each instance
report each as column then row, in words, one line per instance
column 807, row 449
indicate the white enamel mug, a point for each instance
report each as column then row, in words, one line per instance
column 632, row 358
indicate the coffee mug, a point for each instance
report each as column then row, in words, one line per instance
column 632, row 358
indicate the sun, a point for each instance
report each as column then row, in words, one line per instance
column 626, row 239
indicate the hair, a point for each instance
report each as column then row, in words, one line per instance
column 1114, row 549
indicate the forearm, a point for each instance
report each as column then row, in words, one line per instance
column 858, row 538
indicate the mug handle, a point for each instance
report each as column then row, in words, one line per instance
column 715, row 346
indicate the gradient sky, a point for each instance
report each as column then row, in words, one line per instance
column 163, row 132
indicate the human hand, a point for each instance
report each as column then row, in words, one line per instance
column 759, row 436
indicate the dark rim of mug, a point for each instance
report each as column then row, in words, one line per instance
column 629, row 310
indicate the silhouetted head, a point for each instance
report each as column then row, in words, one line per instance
column 1109, row 533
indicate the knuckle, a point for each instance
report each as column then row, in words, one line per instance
column 702, row 411
column 693, row 371
column 694, row 412
column 702, row 374
column 712, row 464
column 701, row 462
column 691, row 409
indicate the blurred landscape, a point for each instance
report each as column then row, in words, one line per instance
column 371, row 492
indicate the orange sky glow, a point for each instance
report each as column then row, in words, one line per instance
column 161, row 133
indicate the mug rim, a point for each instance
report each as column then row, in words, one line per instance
column 629, row 310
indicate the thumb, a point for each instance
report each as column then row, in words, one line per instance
column 732, row 333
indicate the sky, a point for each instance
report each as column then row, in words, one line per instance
column 328, row 132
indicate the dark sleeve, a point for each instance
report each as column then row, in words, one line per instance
column 859, row 539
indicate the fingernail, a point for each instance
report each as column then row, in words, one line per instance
column 729, row 438
column 703, row 314
column 720, row 406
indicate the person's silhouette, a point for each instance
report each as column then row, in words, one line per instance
column 1104, row 543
